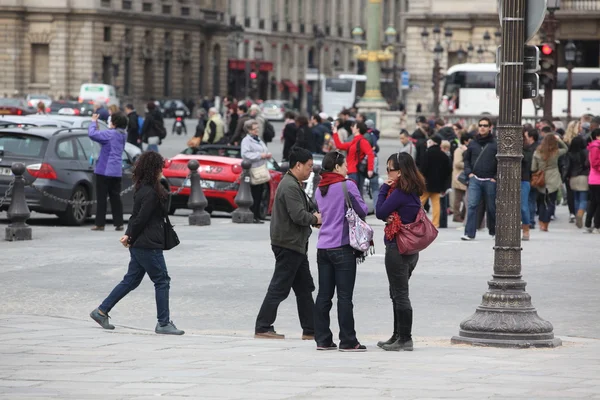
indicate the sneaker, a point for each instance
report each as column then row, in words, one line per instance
column 589, row 230
column 268, row 335
column 571, row 219
column 308, row 337
column 169, row 329
column 359, row 348
column 596, row 231
column 101, row 319
column 332, row 346
column 97, row 228
column 119, row 228
column 467, row 238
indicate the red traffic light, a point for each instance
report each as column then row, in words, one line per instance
column 547, row 49
column 253, row 75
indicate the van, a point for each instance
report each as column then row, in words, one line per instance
column 98, row 92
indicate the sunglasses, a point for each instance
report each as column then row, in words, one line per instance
column 483, row 126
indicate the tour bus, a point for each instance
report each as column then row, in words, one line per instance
column 471, row 90
column 343, row 91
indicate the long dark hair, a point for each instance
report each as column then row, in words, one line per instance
column 147, row 171
column 410, row 180
column 330, row 161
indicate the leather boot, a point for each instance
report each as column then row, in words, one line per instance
column 395, row 334
column 544, row 226
column 525, row 232
column 579, row 218
column 404, row 341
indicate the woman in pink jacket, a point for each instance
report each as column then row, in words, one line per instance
column 593, row 211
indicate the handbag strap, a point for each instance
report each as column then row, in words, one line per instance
column 479, row 156
column 347, row 196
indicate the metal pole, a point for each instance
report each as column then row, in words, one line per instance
column 247, row 79
column 506, row 316
column 550, row 27
column 569, row 89
column 319, row 78
column 373, row 90
column 436, row 87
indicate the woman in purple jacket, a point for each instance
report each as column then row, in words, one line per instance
column 399, row 203
column 109, row 168
column 335, row 257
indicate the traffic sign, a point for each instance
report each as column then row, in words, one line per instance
column 405, row 80
column 531, row 59
column 531, row 85
column 536, row 12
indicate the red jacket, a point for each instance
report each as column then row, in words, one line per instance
column 594, row 156
column 350, row 149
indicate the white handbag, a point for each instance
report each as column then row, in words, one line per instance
column 259, row 175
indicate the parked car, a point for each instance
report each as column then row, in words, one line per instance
column 34, row 99
column 220, row 170
column 12, row 106
column 74, row 108
column 98, row 92
column 274, row 110
column 60, row 162
column 175, row 108
column 51, row 121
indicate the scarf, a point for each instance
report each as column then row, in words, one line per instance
column 329, row 178
column 394, row 222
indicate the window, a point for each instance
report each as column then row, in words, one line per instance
column 286, row 11
column 246, row 8
column 23, row 145
column 166, row 9
column 128, row 36
column 40, row 63
column 88, row 147
column 147, row 7
column 105, row 3
column 126, row 5
column 259, row 11
column 185, row 11
column 107, row 70
column 65, row 149
column 300, row 10
column 107, row 34
column 274, row 15
column 314, row 10
column 340, row 13
column 338, row 85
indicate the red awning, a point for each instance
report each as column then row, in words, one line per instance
column 307, row 87
column 240, row 65
column 290, row 85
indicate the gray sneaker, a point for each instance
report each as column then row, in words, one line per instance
column 169, row 329
column 102, row 320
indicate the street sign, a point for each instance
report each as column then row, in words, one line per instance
column 531, row 60
column 405, row 80
column 536, row 12
column 531, row 85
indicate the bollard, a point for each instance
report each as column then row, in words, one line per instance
column 197, row 200
column 18, row 212
column 243, row 200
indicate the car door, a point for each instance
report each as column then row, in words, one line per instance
column 90, row 151
column 127, row 162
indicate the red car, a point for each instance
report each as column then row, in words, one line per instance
column 220, row 171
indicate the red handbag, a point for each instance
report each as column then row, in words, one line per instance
column 417, row 236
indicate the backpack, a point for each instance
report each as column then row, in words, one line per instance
column 269, row 132
column 140, row 121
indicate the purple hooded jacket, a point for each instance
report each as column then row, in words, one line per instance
column 113, row 141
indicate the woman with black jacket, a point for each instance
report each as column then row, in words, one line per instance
column 153, row 130
column 145, row 238
column 576, row 172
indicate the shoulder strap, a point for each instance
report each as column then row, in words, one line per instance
column 347, row 195
column 479, row 156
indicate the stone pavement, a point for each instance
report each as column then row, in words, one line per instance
column 59, row 358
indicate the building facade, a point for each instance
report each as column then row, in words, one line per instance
column 145, row 48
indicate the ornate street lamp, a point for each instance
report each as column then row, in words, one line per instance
column 570, row 56
column 438, row 52
column 319, row 42
column 550, row 26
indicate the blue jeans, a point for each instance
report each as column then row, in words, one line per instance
column 477, row 190
column 337, row 270
column 547, row 205
column 152, row 147
column 525, row 214
column 533, row 193
column 144, row 261
column 581, row 199
column 360, row 181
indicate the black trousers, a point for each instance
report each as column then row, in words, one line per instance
column 292, row 271
column 593, row 211
column 257, row 194
column 399, row 269
column 109, row 186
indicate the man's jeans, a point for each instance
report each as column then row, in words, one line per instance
column 292, row 271
column 580, row 200
column 144, row 261
column 533, row 203
column 547, row 206
column 359, row 179
column 477, row 190
column 337, row 270
column 525, row 215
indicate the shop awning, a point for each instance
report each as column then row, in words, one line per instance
column 290, row 85
column 307, row 86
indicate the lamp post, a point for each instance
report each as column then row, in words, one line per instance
column 570, row 54
column 319, row 41
column 550, row 27
column 438, row 52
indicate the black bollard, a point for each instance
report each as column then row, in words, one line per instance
column 243, row 200
column 197, row 200
column 18, row 212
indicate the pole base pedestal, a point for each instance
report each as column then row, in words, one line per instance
column 199, row 219
column 512, row 342
column 18, row 233
column 242, row 217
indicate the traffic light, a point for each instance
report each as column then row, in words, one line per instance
column 253, row 80
column 253, row 75
column 548, row 63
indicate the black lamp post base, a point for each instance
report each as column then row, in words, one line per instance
column 512, row 342
column 201, row 218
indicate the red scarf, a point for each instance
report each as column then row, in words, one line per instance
column 394, row 222
column 329, row 178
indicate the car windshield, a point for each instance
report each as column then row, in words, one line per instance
column 15, row 144
column 57, row 105
column 220, row 151
column 39, row 96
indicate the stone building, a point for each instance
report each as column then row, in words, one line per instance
column 145, row 48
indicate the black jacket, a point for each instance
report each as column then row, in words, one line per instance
column 152, row 122
column 421, row 144
column 436, row 170
column 133, row 128
column 487, row 167
column 305, row 139
column 526, row 162
column 146, row 227
column 289, row 139
column 576, row 164
column 447, row 133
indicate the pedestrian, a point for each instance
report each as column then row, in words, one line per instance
column 437, row 172
column 445, row 196
column 288, row 135
column 101, row 111
column 153, row 130
column 526, row 186
column 532, row 138
column 255, row 151
column 459, row 208
column 292, row 216
column 109, row 169
column 133, row 128
column 360, row 155
column 576, row 175
column 406, row 144
column 112, row 109
column 243, row 116
column 319, row 130
column 41, row 108
column 399, row 203
column 214, row 133
column 304, row 135
column 545, row 159
column 335, row 257
column 145, row 240
column 593, row 211
column 481, row 168
column 201, row 125
column 420, row 136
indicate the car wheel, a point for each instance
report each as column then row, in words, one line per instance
column 75, row 215
column 264, row 202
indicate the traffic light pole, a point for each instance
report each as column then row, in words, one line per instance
column 550, row 26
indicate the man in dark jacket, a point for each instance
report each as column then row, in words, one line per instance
column 437, row 172
column 239, row 134
column 291, row 221
column 133, row 128
column 532, row 139
column 153, row 130
column 319, row 130
column 304, row 136
column 289, row 134
column 420, row 136
column 447, row 133
column 481, row 168
column 101, row 111
column 528, row 150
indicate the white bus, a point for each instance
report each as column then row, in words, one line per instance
column 337, row 94
column 474, row 87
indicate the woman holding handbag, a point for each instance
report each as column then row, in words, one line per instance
column 255, row 151
column 146, row 237
column 335, row 257
column 399, row 203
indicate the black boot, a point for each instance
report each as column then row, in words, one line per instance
column 395, row 334
column 404, row 341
